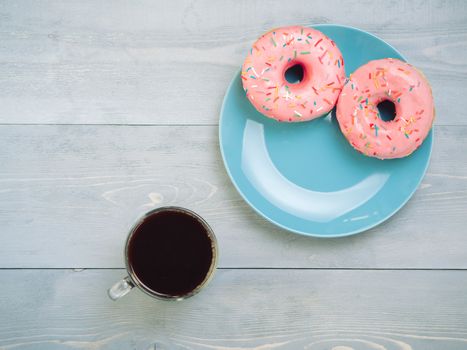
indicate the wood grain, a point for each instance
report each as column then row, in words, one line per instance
column 240, row 309
column 170, row 63
column 69, row 193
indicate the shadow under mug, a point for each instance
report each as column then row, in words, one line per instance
column 125, row 285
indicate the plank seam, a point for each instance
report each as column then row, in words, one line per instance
column 255, row 268
column 146, row 125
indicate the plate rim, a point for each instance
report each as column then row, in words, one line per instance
column 313, row 234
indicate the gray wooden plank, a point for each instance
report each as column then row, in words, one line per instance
column 240, row 309
column 69, row 193
column 170, row 62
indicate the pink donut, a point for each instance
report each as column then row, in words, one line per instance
column 358, row 115
column 263, row 74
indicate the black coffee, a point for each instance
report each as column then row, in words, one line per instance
column 171, row 252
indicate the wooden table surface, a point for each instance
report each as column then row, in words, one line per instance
column 111, row 108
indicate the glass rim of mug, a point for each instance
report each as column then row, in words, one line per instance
column 210, row 233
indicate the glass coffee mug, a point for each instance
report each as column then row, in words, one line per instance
column 170, row 253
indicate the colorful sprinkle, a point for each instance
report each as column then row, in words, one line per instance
column 375, row 83
column 322, row 56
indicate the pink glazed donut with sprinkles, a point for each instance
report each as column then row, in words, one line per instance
column 358, row 115
column 263, row 74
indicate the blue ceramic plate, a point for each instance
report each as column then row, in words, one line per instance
column 305, row 177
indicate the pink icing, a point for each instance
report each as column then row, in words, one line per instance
column 358, row 116
column 276, row 51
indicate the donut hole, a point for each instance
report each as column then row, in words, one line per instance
column 294, row 74
column 387, row 110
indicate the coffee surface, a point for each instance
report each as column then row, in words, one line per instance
column 170, row 252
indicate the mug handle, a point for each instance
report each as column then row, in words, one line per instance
column 120, row 289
